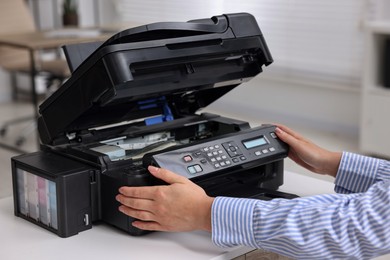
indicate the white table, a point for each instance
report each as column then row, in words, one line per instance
column 20, row 239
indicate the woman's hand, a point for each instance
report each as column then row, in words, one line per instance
column 179, row 206
column 307, row 154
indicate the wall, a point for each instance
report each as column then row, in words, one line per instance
column 291, row 103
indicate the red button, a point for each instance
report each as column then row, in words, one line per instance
column 187, row 158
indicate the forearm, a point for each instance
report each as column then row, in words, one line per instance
column 318, row 227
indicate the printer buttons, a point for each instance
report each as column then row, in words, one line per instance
column 271, row 149
column 257, row 153
column 273, row 135
column 187, row 158
column 235, row 160
column 243, row 158
column 197, row 154
column 191, row 169
column 194, row 169
column 198, row 168
column 265, row 151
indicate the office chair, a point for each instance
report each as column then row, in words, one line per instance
column 15, row 18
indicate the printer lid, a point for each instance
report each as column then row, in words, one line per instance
column 145, row 71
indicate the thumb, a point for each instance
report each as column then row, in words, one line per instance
column 166, row 175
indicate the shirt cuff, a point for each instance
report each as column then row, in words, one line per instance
column 356, row 173
column 232, row 221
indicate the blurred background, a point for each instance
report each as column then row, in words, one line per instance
column 319, row 48
column 330, row 79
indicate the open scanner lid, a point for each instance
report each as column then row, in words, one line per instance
column 141, row 72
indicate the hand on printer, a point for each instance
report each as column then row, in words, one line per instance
column 307, row 154
column 184, row 206
column 180, row 206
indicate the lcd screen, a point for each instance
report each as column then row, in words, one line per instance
column 255, row 142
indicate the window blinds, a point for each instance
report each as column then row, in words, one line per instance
column 311, row 41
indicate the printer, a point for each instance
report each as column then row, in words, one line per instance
column 135, row 100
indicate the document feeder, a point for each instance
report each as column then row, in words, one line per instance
column 134, row 100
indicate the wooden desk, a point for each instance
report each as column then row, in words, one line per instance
column 49, row 40
column 42, row 40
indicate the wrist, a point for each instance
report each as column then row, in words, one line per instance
column 206, row 216
column 333, row 163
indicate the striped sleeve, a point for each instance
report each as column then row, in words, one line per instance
column 357, row 173
column 335, row 226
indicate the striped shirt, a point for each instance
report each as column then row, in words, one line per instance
column 352, row 224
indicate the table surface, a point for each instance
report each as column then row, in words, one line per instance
column 41, row 40
column 20, row 239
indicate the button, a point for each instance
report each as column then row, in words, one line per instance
column 213, row 160
column 198, row 168
column 206, row 149
column 187, row 158
column 197, row 154
column 209, row 154
column 265, row 151
column 224, row 157
column 191, row 169
column 228, row 162
column 272, row 149
column 243, row 158
column 219, row 158
column 216, row 146
column 232, row 149
column 273, row 135
column 215, row 153
column 220, row 151
column 203, row 161
column 217, row 165
column 222, row 164
column 235, row 160
column 257, row 153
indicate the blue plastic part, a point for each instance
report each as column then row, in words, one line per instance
column 157, row 102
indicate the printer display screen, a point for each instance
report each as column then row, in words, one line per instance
column 255, row 142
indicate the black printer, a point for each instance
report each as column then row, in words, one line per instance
column 133, row 101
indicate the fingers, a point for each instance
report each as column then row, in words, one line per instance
column 140, row 202
column 149, row 192
column 286, row 137
column 138, row 214
column 148, row 225
column 167, row 176
column 145, row 192
column 290, row 131
column 135, row 203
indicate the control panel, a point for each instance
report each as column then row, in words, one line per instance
column 257, row 145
